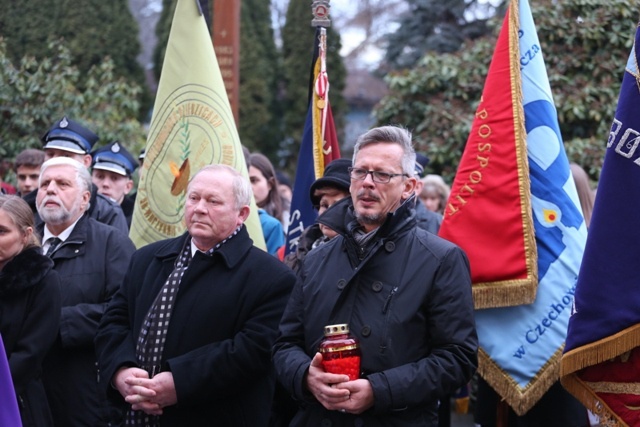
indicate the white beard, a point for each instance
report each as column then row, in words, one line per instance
column 60, row 214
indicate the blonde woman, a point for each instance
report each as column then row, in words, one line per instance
column 29, row 307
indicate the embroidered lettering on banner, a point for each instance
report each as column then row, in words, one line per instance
column 535, row 333
column 475, row 176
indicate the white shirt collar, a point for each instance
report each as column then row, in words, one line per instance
column 62, row 236
column 195, row 249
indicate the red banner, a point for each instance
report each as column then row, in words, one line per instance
column 488, row 213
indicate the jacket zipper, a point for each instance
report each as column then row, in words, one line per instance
column 388, row 300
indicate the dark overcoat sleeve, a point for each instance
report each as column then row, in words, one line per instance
column 79, row 322
column 114, row 341
column 37, row 332
column 231, row 365
column 289, row 357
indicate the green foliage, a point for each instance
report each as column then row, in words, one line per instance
column 36, row 93
column 585, row 79
column 585, row 44
column 434, row 25
column 260, row 128
column 91, row 30
column 437, row 100
column 297, row 50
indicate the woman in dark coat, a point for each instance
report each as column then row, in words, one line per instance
column 29, row 307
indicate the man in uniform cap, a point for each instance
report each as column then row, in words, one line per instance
column 67, row 138
column 427, row 220
column 111, row 172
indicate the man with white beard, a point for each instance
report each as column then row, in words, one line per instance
column 91, row 259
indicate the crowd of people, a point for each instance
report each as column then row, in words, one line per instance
column 207, row 329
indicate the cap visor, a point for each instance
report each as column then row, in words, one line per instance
column 61, row 144
column 111, row 167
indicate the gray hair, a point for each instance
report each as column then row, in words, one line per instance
column 240, row 185
column 390, row 135
column 83, row 178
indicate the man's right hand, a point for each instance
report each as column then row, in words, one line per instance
column 321, row 385
column 136, row 395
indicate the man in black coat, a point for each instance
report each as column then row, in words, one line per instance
column 186, row 341
column 90, row 258
column 67, row 138
column 404, row 292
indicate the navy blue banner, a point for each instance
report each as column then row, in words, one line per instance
column 607, row 297
column 302, row 213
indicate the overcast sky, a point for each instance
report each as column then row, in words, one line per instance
column 340, row 12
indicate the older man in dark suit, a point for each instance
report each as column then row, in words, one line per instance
column 187, row 339
column 90, row 258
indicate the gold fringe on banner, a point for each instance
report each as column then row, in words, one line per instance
column 520, row 399
column 318, row 158
column 513, row 292
column 524, row 179
column 506, row 293
column 581, row 391
column 593, row 354
column 601, row 350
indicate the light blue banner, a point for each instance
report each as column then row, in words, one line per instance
column 521, row 340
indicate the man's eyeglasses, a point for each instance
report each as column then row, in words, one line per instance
column 380, row 177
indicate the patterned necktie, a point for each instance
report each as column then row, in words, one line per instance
column 53, row 245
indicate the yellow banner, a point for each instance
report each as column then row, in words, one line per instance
column 192, row 126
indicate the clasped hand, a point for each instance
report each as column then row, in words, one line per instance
column 143, row 393
column 335, row 392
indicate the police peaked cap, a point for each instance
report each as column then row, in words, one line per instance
column 114, row 158
column 421, row 162
column 70, row 136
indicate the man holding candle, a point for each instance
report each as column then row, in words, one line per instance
column 405, row 294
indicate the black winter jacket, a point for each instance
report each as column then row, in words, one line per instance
column 91, row 264
column 222, row 327
column 406, row 297
column 426, row 219
column 29, row 318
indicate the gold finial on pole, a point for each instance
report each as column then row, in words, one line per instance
column 320, row 10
